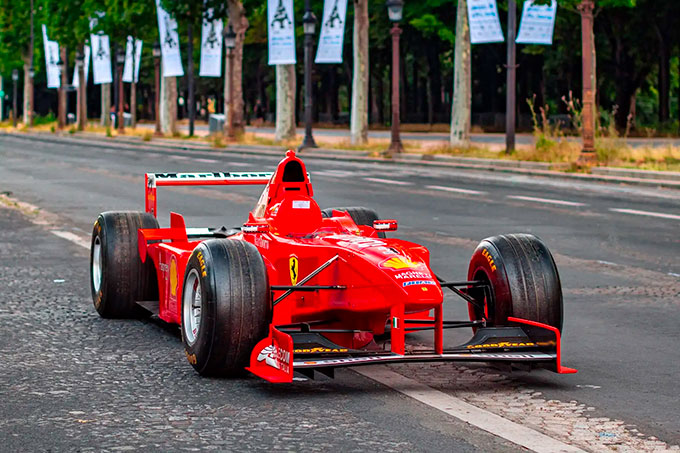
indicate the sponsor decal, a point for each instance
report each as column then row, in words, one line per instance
column 191, row 357
column 201, row 262
column 399, row 263
column 502, row 344
column 275, row 357
column 419, row 282
column 410, row 275
column 359, row 242
column 320, row 350
column 213, row 175
column 300, row 204
column 174, row 278
column 293, row 266
column 487, row 255
column 261, row 242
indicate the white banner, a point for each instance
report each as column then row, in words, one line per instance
column 51, row 59
column 211, row 47
column 133, row 59
column 281, row 36
column 86, row 67
column 332, row 32
column 485, row 25
column 538, row 23
column 167, row 30
column 101, row 59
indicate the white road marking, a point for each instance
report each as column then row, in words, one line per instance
column 389, row 181
column 608, row 263
column 208, row 161
column 673, row 274
column 71, row 237
column 546, row 200
column 480, row 418
column 179, row 157
column 660, row 215
column 456, row 190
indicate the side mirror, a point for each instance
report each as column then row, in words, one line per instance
column 385, row 225
column 255, row 228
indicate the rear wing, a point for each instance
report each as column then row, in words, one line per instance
column 217, row 178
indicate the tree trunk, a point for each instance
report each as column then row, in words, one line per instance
column 359, row 113
column 240, row 25
column 462, row 81
column 28, row 90
column 61, row 114
column 169, row 105
column 105, row 119
column 285, row 102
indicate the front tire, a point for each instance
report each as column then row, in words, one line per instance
column 523, row 279
column 226, row 306
column 118, row 278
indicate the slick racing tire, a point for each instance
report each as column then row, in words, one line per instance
column 118, row 278
column 226, row 306
column 523, row 279
column 361, row 216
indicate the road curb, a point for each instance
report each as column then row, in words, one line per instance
column 666, row 180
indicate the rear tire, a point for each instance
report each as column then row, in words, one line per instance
column 523, row 278
column 226, row 306
column 361, row 216
column 118, row 278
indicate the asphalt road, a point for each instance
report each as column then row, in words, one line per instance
column 73, row 380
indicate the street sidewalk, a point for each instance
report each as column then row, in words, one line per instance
column 661, row 179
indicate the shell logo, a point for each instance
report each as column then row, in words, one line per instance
column 173, row 277
column 398, row 263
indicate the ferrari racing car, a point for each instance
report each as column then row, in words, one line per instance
column 301, row 289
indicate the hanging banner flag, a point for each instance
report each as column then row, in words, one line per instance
column 101, row 59
column 51, row 59
column 211, row 47
column 332, row 32
column 167, row 30
column 485, row 26
column 86, row 67
column 281, row 35
column 538, row 23
column 133, row 59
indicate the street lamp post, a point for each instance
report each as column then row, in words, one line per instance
column 588, row 151
column 120, row 59
column 511, row 79
column 15, row 79
column 157, row 77
column 309, row 26
column 394, row 11
column 31, row 76
column 230, row 43
column 80, row 98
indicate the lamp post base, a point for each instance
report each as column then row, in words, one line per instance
column 587, row 158
column 308, row 142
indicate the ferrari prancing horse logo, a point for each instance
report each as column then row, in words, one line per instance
column 293, row 266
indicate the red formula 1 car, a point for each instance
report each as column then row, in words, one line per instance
column 298, row 289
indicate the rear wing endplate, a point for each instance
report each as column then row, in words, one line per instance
column 217, row 178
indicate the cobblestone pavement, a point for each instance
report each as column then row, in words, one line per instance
column 570, row 421
column 71, row 381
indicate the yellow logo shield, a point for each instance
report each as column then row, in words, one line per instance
column 293, row 266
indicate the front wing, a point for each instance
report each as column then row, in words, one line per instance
column 525, row 342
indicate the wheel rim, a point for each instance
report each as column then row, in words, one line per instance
column 192, row 307
column 97, row 264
